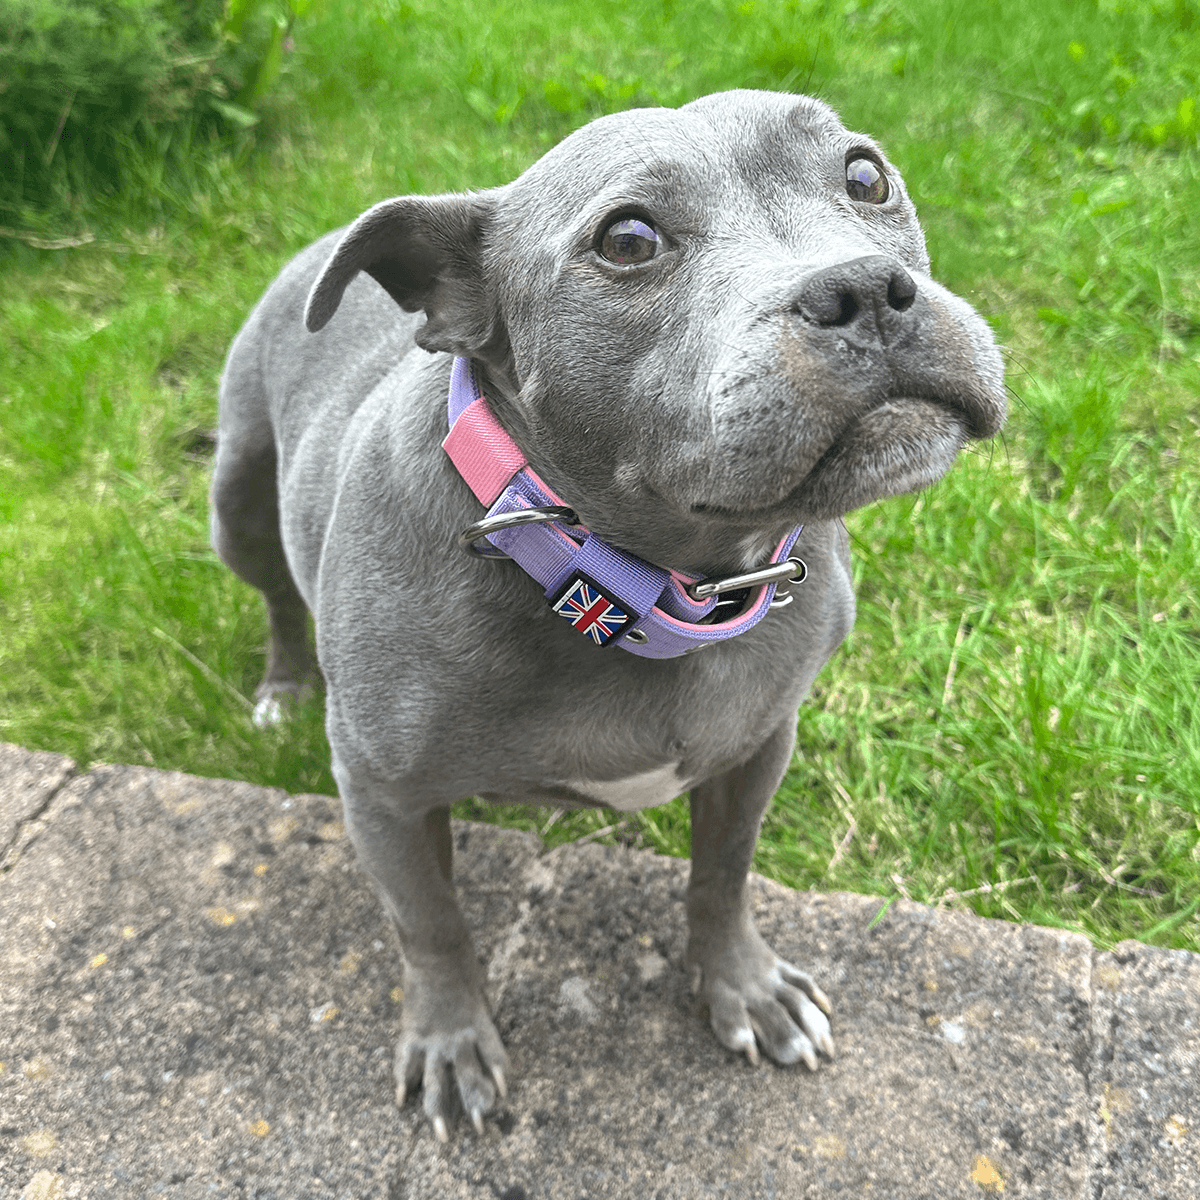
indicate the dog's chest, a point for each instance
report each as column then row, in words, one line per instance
column 645, row 790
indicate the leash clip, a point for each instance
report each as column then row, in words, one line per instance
column 791, row 570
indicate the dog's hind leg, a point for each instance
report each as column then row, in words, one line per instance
column 245, row 534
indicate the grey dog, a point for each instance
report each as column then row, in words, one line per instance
column 702, row 327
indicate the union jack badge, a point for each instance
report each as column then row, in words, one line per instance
column 585, row 605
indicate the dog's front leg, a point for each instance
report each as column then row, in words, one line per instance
column 447, row 1036
column 755, row 999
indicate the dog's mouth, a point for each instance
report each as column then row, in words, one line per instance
column 901, row 445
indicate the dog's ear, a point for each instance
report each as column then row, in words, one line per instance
column 426, row 252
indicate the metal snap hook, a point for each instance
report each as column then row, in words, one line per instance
column 793, row 570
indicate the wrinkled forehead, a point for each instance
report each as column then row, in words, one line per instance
column 771, row 143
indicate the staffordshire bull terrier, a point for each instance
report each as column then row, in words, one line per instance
column 541, row 524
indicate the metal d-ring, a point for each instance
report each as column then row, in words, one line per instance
column 793, row 570
column 511, row 520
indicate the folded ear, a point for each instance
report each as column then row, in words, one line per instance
column 426, row 251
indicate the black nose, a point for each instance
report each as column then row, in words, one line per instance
column 872, row 289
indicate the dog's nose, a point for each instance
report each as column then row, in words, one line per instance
column 873, row 290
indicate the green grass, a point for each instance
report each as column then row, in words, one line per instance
column 1016, row 708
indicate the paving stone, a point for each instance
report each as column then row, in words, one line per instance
column 1145, row 1073
column 198, row 997
column 28, row 781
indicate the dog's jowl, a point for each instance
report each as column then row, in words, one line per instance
column 571, row 531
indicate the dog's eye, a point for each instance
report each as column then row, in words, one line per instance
column 865, row 181
column 629, row 241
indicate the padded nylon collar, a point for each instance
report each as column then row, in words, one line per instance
column 604, row 592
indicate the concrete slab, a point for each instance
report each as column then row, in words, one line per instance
column 1144, row 1073
column 28, row 780
column 198, row 992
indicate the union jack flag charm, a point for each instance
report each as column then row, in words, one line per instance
column 589, row 610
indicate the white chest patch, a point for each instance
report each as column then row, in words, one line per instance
column 635, row 791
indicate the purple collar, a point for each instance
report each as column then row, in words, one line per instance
column 607, row 594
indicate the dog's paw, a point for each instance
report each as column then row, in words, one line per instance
column 274, row 703
column 447, row 1059
column 268, row 711
column 758, row 1003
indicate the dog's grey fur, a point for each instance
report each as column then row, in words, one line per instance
column 770, row 366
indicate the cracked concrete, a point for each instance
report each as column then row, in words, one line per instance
column 29, row 780
column 198, row 992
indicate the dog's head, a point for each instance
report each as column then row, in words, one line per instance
column 702, row 325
